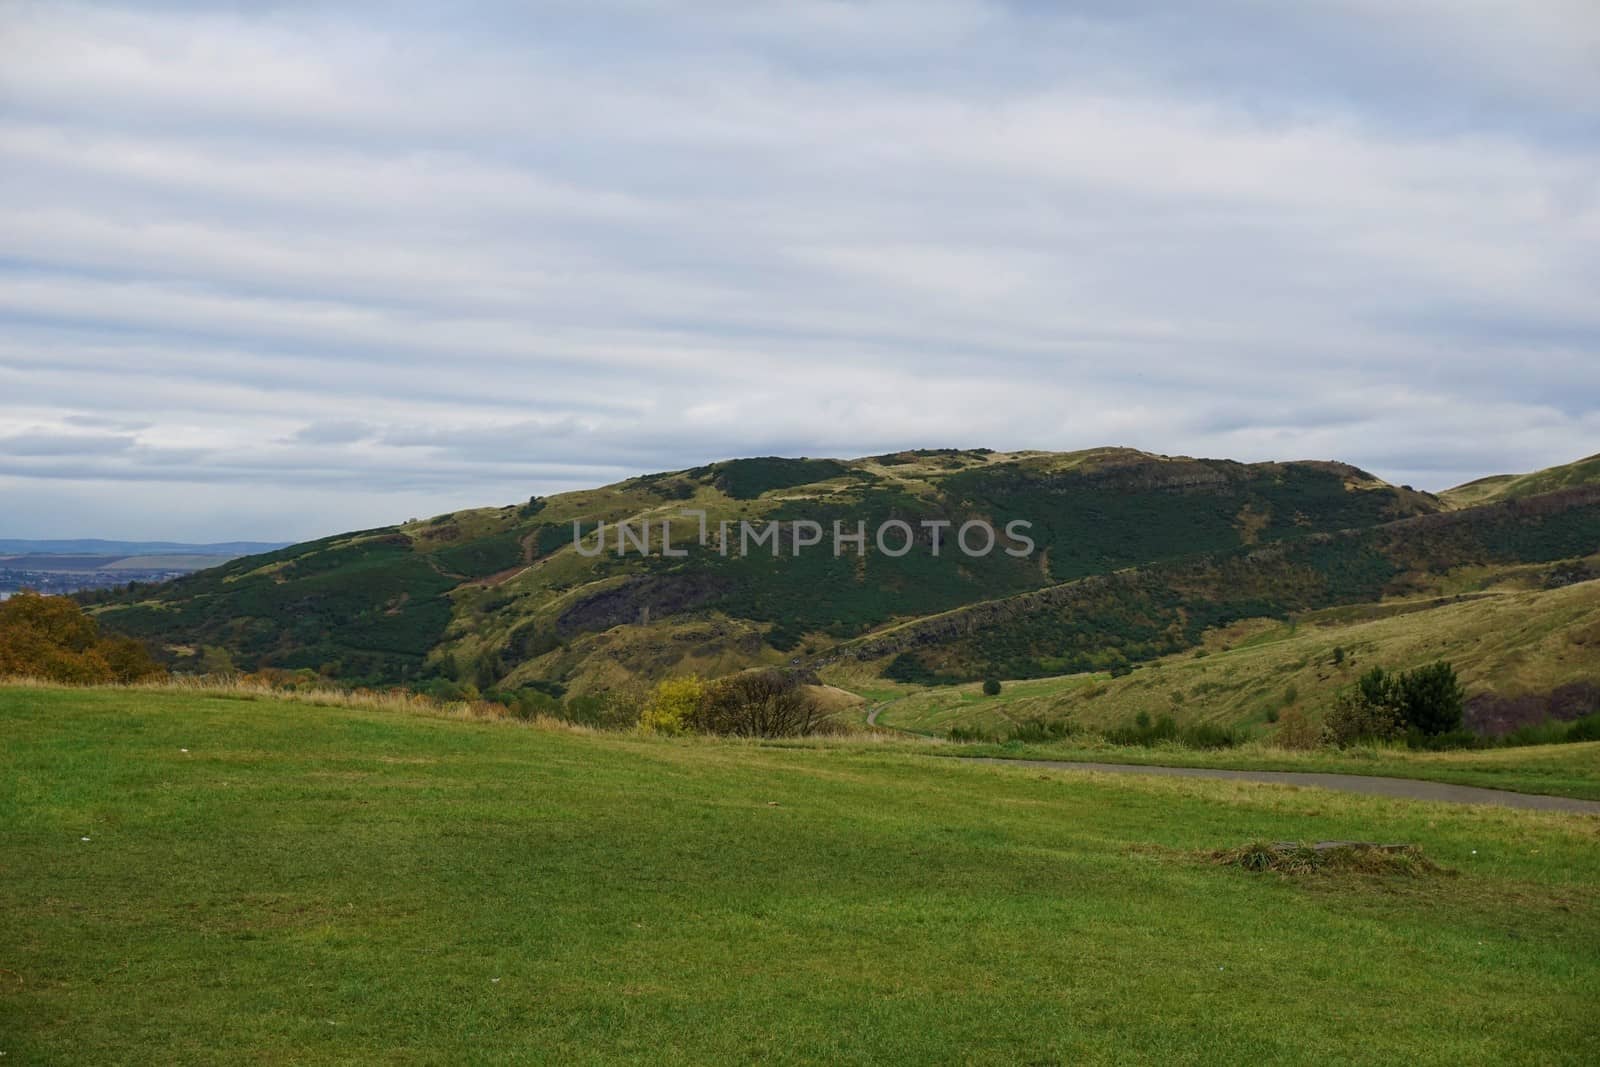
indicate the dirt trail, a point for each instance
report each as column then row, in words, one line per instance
column 1371, row 785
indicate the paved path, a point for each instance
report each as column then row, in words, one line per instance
column 1406, row 788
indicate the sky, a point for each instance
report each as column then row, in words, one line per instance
column 278, row 270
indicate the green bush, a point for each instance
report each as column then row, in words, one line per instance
column 991, row 687
column 1037, row 731
column 1143, row 732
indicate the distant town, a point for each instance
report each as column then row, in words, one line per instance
column 58, row 567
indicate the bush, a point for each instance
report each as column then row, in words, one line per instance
column 1354, row 719
column 671, row 706
column 1297, row 732
column 1431, row 699
column 1426, row 702
column 1444, row 742
column 50, row 637
column 970, row 734
column 607, row 711
column 991, row 687
column 1143, row 732
column 762, row 703
column 1208, row 735
column 1585, row 729
column 1037, row 731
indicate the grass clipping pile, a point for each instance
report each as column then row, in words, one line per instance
column 1351, row 857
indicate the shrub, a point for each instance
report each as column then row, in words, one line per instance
column 1144, row 732
column 1297, row 732
column 1430, row 699
column 1426, row 702
column 1354, row 719
column 1272, row 714
column 672, row 705
column 970, row 734
column 1037, row 731
column 1585, row 729
column 1452, row 739
column 50, row 637
column 608, row 711
column 762, row 703
column 991, row 687
column 1209, row 735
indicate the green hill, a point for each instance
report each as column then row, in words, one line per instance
column 501, row 596
column 199, row 879
column 1517, row 639
column 1583, row 472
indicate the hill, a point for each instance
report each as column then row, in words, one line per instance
column 502, row 596
column 122, row 549
column 1515, row 638
column 1583, row 472
column 235, row 882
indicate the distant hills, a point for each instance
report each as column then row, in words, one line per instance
column 1136, row 556
column 96, row 547
column 70, row 566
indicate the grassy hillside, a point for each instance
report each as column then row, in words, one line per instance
column 1107, row 622
column 1582, row 472
column 204, row 880
column 499, row 596
column 1507, row 642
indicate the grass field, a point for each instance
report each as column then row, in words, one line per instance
column 330, row 884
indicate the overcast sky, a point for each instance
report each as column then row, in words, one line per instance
column 279, row 270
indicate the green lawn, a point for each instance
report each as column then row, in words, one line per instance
column 312, row 885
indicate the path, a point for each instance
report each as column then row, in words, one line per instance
column 1371, row 785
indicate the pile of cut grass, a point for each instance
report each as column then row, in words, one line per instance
column 1324, row 857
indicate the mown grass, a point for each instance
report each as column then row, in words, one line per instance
column 318, row 884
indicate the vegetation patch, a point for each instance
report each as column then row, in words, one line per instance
column 1330, row 857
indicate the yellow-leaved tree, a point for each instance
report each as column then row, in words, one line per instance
column 671, row 705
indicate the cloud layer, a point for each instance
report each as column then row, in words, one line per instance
column 278, row 270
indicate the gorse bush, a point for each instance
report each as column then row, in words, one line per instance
column 50, row 637
column 672, row 705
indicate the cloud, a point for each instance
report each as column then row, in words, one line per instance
column 348, row 254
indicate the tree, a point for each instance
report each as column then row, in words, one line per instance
column 762, row 703
column 1430, row 699
column 672, row 705
column 50, row 637
column 991, row 687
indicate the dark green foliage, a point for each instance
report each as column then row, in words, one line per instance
column 848, row 594
column 746, row 479
column 1097, row 520
column 1143, row 732
column 368, row 609
column 485, row 556
column 1430, row 699
column 1037, row 731
column 991, row 687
